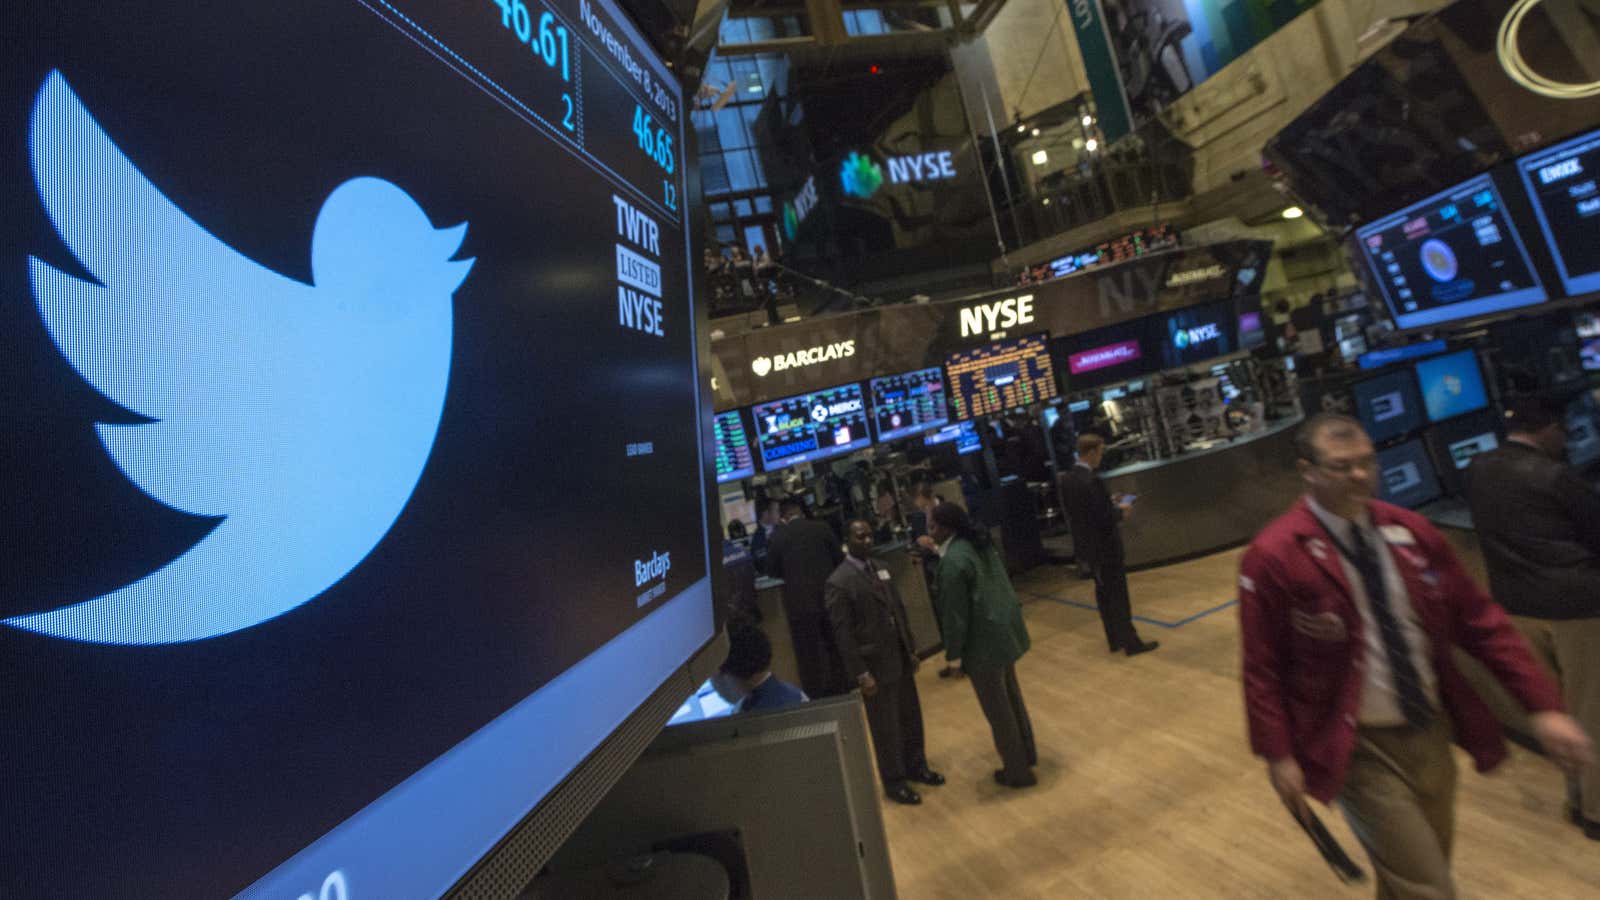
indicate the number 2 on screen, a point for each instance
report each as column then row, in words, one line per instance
column 567, row 119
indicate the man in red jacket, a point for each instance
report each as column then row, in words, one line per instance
column 1349, row 609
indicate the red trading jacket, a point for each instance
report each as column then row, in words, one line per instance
column 1302, row 675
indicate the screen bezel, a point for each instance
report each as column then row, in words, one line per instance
column 1525, row 166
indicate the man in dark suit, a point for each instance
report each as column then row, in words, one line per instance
column 1540, row 527
column 875, row 643
column 1096, row 524
column 766, row 524
column 803, row 552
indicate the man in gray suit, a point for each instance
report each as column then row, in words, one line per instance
column 875, row 643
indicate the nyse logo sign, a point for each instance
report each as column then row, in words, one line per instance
column 764, row 365
column 983, row 318
column 922, row 167
column 1193, row 337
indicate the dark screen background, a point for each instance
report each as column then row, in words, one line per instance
column 192, row 769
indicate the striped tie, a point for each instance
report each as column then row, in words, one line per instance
column 1413, row 701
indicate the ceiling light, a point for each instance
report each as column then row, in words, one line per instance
column 1036, row 132
column 1040, row 157
column 1088, row 120
column 1045, row 201
column 1077, row 143
column 1091, row 145
column 1021, row 128
column 1293, row 212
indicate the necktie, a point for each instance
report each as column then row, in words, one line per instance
column 1413, row 701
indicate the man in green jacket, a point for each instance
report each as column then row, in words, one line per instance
column 983, row 629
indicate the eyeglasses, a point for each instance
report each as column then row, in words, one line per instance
column 1366, row 463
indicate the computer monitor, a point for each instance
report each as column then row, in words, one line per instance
column 704, row 703
column 963, row 434
column 1456, row 255
column 1561, row 182
column 734, row 459
column 1583, row 430
column 909, row 403
column 1003, row 375
column 325, row 574
column 1589, row 355
column 1455, row 443
column 1388, row 405
column 1452, row 385
column 811, row 427
column 1406, row 476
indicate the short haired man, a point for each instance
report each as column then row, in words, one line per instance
column 1349, row 610
column 1539, row 523
column 1096, row 523
column 745, row 678
column 875, row 643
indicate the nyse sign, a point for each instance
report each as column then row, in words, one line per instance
column 983, row 318
column 922, row 167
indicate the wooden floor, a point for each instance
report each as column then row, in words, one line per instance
column 1147, row 786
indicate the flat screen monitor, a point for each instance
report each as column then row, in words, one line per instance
column 1457, row 442
column 811, row 427
column 1388, row 405
column 734, row 458
column 1106, row 355
column 1252, row 332
column 1000, row 376
column 1193, row 335
column 1586, row 323
column 704, row 703
column 1452, row 385
column 909, row 403
column 1589, row 355
column 1583, row 430
column 1561, row 181
column 306, row 310
column 1406, row 476
column 1455, row 255
column 963, row 434
column 1377, row 359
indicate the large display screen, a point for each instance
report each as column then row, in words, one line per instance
column 1452, row 256
column 1001, row 376
column 1566, row 198
column 1405, row 475
column 1107, row 355
column 964, row 434
column 734, row 458
column 1452, row 385
column 1388, row 405
column 1195, row 334
column 322, row 565
column 910, row 403
column 811, row 427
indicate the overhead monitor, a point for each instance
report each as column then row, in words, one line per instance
column 1452, row 385
column 1252, row 330
column 1456, row 255
column 1562, row 182
column 1106, row 355
column 734, row 458
column 1406, row 476
column 323, row 568
column 1000, row 376
column 1194, row 334
column 811, row 427
column 909, row 403
column 1457, row 442
column 1388, row 405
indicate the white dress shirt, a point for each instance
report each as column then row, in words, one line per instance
column 1380, row 702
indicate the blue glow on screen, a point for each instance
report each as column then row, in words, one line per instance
column 1452, row 385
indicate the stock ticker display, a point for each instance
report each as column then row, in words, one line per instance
column 1004, row 375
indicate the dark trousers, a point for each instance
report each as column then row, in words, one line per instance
column 1116, row 610
column 894, row 714
column 1001, row 700
column 816, row 656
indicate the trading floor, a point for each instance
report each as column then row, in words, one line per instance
column 1147, row 787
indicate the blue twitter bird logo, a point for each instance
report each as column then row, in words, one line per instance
column 301, row 415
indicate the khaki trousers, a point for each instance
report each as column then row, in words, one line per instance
column 1399, row 798
column 1570, row 648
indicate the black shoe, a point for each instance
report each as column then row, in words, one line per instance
column 1115, row 648
column 903, row 794
column 927, row 776
column 1025, row 782
column 951, row 672
column 1591, row 828
column 1142, row 647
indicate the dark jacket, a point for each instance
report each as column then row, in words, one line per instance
column 1096, row 522
column 803, row 553
column 759, row 547
column 869, row 622
column 982, row 618
column 1540, row 528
